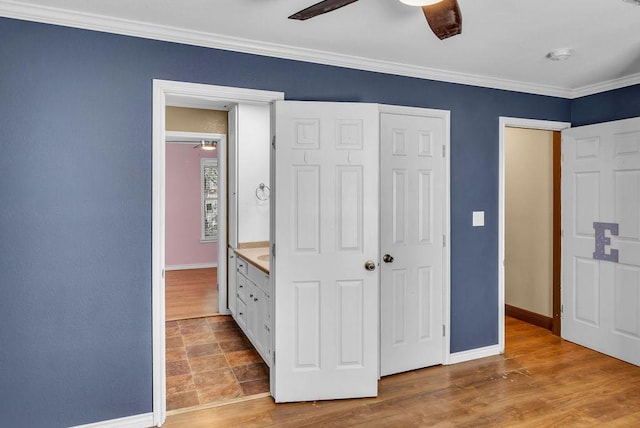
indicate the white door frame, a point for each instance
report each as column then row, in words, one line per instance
column 445, row 115
column 198, row 95
column 513, row 122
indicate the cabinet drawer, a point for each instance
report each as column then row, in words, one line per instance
column 241, row 310
column 242, row 287
column 242, row 266
column 259, row 278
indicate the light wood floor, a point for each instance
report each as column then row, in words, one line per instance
column 191, row 293
column 541, row 381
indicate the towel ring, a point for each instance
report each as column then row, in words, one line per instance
column 263, row 193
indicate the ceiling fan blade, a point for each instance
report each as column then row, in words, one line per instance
column 320, row 8
column 444, row 18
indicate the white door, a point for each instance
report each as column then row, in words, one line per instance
column 411, row 236
column 601, row 243
column 326, row 229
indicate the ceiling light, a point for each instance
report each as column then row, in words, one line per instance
column 208, row 145
column 560, row 54
column 420, row 2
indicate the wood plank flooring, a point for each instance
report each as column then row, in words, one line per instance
column 191, row 293
column 540, row 381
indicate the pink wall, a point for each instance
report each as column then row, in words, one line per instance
column 183, row 245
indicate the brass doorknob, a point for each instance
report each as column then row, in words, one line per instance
column 387, row 258
column 370, row 265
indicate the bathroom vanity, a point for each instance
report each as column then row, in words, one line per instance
column 251, row 307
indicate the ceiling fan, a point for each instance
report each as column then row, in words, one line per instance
column 443, row 16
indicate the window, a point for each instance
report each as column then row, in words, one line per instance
column 209, row 185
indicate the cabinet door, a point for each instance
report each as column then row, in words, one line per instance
column 266, row 329
column 252, row 317
column 258, row 315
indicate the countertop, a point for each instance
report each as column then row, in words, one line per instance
column 251, row 255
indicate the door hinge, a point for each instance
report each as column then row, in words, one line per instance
column 443, row 330
column 444, row 151
column 274, row 357
column 444, row 241
column 162, row 273
column 561, row 309
column 273, row 249
column 273, row 142
column 562, row 233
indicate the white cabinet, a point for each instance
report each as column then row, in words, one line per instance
column 253, row 307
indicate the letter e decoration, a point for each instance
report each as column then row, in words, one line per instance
column 602, row 241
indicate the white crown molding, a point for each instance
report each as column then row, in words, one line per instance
column 75, row 19
column 609, row 85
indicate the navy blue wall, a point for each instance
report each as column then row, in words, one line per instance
column 75, row 186
column 611, row 105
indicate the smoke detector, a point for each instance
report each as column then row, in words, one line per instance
column 560, row 54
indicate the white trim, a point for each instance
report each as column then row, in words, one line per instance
column 474, row 354
column 157, row 254
column 164, row 91
column 447, row 230
column 72, row 18
column 608, row 85
column 222, row 228
column 137, row 421
column 445, row 115
column 515, row 123
column 192, row 266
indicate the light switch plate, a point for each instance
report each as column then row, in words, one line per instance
column 478, row 218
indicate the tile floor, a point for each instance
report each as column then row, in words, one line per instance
column 210, row 360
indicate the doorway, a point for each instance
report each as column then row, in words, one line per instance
column 194, row 138
column 191, row 96
column 550, row 301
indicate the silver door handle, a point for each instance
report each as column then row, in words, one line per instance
column 387, row 258
column 370, row 265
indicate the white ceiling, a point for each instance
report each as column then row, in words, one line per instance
column 503, row 42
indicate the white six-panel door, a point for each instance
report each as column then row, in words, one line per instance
column 326, row 229
column 601, row 184
column 411, row 237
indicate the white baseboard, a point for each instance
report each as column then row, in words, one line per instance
column 144, row 420
column 473, row 354
column 192, row 266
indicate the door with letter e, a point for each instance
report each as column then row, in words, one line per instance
column 601, row 238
